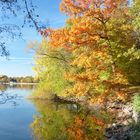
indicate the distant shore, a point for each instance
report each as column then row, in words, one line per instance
column 14, row 83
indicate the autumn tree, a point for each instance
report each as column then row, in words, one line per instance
column 103, row 41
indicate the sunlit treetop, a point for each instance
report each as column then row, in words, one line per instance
column 79, row 7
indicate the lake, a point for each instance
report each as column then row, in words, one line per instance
column 23, row 119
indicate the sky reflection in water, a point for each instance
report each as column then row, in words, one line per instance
column 45, row 120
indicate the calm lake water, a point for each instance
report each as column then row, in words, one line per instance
column 22, row 119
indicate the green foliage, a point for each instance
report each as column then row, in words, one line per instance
column 135, row 10
column 136, row 102
column 104, row 75
column 50, row 68
column 50, row 124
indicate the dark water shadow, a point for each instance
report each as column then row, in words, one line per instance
column 124, row 132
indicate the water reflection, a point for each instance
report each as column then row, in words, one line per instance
column 6, row 96
column 68, row 122
column 16, row 112
column 52, row 121
column 4, row 87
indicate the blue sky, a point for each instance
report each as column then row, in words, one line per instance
column 20, row 62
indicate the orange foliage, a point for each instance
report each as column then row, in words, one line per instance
column 77, row 129
column 89, row 36
column 98, row 121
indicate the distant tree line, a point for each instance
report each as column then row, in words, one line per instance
column 26, row 79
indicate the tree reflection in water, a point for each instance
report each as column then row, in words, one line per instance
column 6, row 97
column 68, row 122
column 4, row 87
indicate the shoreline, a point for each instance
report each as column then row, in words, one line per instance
column 126, row 117
column 11, row 84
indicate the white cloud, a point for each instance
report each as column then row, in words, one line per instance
column 21, row 60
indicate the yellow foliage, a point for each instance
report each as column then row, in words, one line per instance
column 97, row 34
